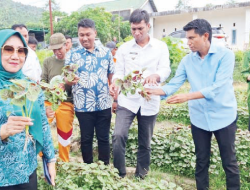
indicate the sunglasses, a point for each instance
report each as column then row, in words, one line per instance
column 10, row 50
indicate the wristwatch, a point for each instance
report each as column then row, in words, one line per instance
column 115, row 101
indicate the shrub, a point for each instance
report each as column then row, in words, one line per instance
column 173, row 151
column 176, row 53
column 97, row 176
column 43, row 54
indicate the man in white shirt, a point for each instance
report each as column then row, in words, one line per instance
column 141, row 52
column 31, row 68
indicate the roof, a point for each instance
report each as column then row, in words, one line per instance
column 201, row 9
column 116, row 5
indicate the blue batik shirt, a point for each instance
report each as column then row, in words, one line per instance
column 213, row 77
column 91, row 93
column 16, row 165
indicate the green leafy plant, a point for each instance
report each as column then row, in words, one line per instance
column 97, row 176
column 131, row 83
column 53, row 92
column 21, row 92
column 176, row 53
column 69, row 71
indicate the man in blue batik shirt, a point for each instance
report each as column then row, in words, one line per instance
column 92, row 100
column 211, row 101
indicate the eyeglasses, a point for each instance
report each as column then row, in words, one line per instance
column 10, row 50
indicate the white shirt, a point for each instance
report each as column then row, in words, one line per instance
column 32, row 67
column 130, row 57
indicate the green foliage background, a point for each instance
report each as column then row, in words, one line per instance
column 107, row 25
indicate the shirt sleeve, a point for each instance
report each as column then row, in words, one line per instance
column 177, row 81
column 68, row 59
column 119, row 66
column 48, row 147
column 45, row 71
column 111, row 63
column 223, row 74
column 163, row 69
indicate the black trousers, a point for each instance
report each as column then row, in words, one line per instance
column 32, row 185
column 100, row 122
column 123, row 121
column 226, row 141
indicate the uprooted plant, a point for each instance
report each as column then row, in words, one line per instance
column 23, row 94
column 53, row 92
column 69, row 71
column 132, row 83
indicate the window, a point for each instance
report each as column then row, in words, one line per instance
column 233, row 37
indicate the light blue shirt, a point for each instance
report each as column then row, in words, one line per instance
column 213, row 77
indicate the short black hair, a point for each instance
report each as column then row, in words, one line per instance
column 86, row 23
column 15, row 26
column 200, row 26
column 32, row 40
column 68, row 37
column 139, row 15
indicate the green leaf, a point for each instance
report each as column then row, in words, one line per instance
column 5, row 94
column 33, row 92
column 18, row 101
column 20, row 94
column 20, row 82
column 15, row 88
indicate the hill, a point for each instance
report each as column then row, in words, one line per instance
column 13, row 12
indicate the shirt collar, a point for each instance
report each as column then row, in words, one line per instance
column 212, row 49
column 83, row 49
column 151, row 42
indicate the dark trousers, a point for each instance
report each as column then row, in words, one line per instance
column 100, row 121
column 124, row 119
column 225, row 138
column 32, row 185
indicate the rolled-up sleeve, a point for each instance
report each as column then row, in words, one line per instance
column 48, row 147
column 163, row 69
column 223, row 75
column 177, row 81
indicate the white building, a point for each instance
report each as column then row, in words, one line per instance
column 235, row 20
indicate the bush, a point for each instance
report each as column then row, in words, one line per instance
column 97, row 176
column 176, row 53
column 173, row 151
column 43, row 54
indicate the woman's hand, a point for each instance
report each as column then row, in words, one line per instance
column 52, row 172
column 14, row 125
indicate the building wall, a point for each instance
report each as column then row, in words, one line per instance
column 230, row 19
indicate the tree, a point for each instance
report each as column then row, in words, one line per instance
column 182, row 4
column 209, row 5
column 230, row 2
column 54, row 5
column 107, row 25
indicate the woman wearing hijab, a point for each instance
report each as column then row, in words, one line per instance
column 18, row 166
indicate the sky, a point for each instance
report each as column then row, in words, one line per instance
column 162, row 5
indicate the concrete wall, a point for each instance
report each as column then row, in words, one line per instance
column 227, row 18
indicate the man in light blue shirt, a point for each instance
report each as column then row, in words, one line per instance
column 211, row 101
